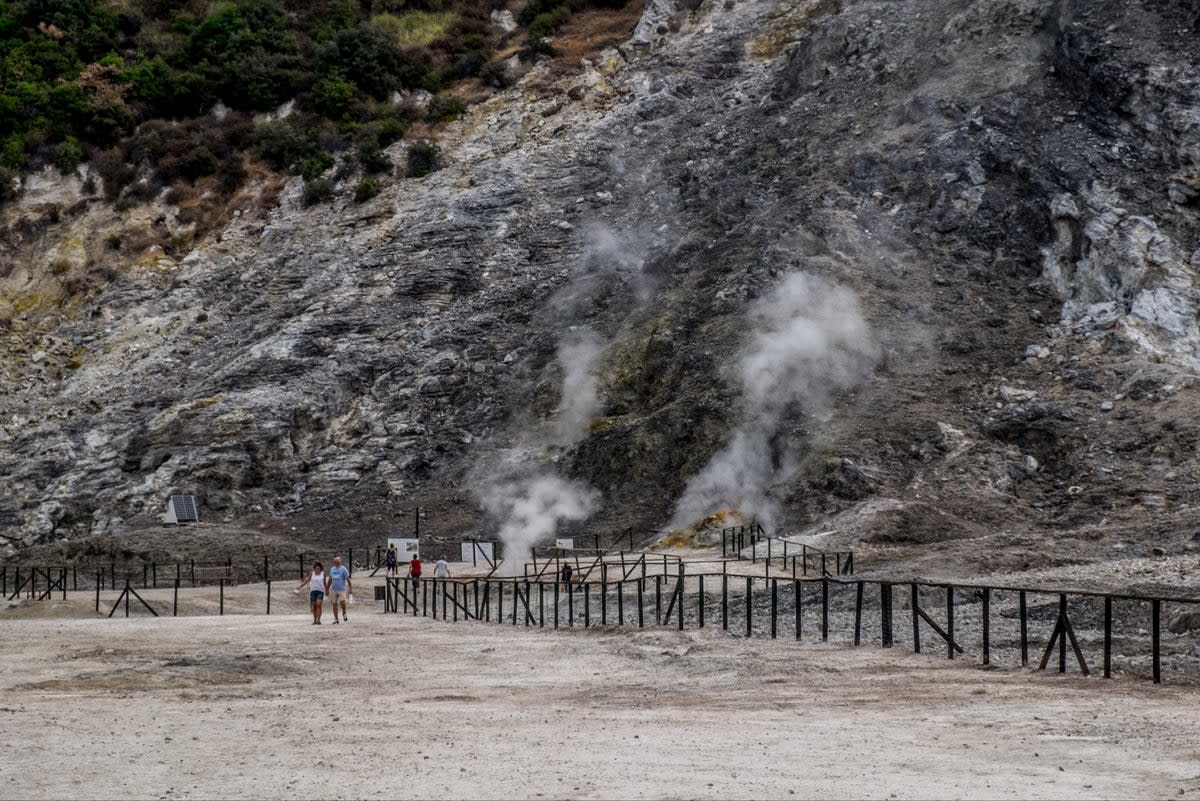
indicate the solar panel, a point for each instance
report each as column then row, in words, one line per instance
column 184, row 507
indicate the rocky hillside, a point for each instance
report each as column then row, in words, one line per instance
column 907, row 273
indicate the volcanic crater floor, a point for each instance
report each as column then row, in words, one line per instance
column 386, row 706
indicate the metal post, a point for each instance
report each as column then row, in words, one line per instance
column 774, row 603
column 556, row 602
column 641, row 588
column 268, row 597
column 99, row 582
column 702, row 599
column 1155, row 639
column 987, row 625
column 950, row 620
column 570, row 605
column 154, row 574
column 885, row 622
column 621, row 603
column 1062, row 632
column 658, row 596
column 603, row 601
column 1108, row 636
column 798, row 599
column 682, row 593
column 175, row 600
column 587, row 604
column 824, row 609
column 222, row 582
column 914, row 601
column 724, row 601
column 858, row 604
column 1024, row 615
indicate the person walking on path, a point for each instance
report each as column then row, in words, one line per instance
column 566, row 575
column 338, row 587
column 414, row 571
column 390, row 561
column 441, row 569
column 316, row 591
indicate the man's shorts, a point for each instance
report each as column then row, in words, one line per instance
column 337, row 595
column 315, row 595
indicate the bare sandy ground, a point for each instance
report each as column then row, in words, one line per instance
column 386, row 706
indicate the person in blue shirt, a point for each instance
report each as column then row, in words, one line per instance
column 338, row 588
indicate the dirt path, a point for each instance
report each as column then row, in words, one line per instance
column 386, row 706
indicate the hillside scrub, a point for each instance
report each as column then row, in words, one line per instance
column 83, row 81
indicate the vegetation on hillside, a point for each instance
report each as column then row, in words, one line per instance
column 158, row 93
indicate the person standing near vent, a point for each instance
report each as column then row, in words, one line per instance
column 338, row 587
column 441, row 569
column 316, row 591
column 390, row 560
column 414, row 571
column 566, row 575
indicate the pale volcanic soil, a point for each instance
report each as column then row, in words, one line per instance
column 386, row 706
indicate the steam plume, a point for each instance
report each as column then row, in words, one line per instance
column 532, row 508
column 578, row 354
column 810, row 341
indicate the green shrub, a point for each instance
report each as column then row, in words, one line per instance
column 286, row 143
column 67, row 155
column 315, row 166
column 422, row 158
column 372, row 159
column 367, row 188
column 317, row 190
column 371, row 59
column 331, row 97
column 390, row 130
column 444, row 108
column 546, row 24
column 199, row 163
column 535, row 8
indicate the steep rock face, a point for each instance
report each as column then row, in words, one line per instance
column 1007, row 186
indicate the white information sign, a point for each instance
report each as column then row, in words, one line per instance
column 565, row 544
column 406, row 548
column 476, row 552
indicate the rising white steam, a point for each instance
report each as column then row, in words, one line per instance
column 531, row 509
column 809, row 341
column 578, row 355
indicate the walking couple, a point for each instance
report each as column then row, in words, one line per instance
column 334, row 584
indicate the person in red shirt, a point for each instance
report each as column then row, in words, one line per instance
column 414, row 571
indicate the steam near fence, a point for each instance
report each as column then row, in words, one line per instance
column 531, row 509
column 809, row 341
column 520, row 489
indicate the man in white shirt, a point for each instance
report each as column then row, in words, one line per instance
column 441, row 569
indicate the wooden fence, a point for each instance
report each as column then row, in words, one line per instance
column 796, row 607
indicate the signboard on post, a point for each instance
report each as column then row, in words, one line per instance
column 476, row 552
column 565, row 544
column 406, row 548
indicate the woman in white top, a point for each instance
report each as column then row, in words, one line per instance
column 316, row 591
